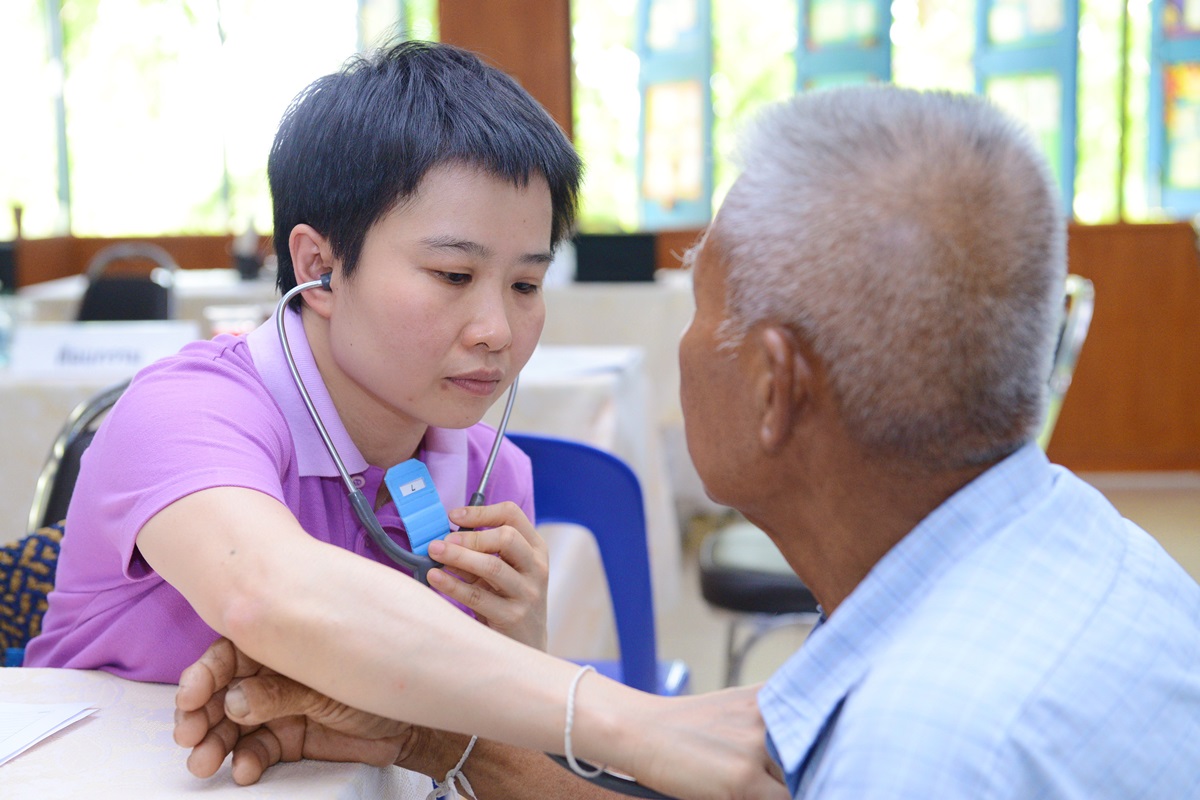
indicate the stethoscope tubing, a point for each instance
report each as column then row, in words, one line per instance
column 419, row 565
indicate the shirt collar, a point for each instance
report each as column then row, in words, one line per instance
column 807, row 690
column 267, row 351
column 443, row 450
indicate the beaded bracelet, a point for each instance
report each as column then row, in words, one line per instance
column 578, row 769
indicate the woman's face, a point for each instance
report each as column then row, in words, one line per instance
column 445, row 305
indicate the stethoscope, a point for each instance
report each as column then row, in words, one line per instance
column 419, row 565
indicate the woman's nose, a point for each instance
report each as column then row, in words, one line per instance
column 490, row 326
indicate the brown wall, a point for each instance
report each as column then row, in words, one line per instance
column 1134, row 403
column 528, row 39
column 45, row 259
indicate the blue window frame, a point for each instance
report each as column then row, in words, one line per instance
column 674, row 43
column 1026, row 60
column 843, row 41
column 1173, row 152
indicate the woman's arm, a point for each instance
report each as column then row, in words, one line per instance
column 374, row 639
column 278, row 719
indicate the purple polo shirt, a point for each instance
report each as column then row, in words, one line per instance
column 220, row 413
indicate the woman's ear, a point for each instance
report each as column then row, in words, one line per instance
column 312, row 257
column 784, row 386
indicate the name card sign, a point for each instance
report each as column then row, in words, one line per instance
column 52, row 348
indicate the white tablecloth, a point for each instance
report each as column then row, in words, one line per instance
column 124, row 750
column 597, row 395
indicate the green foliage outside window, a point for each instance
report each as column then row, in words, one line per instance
column 171, row 104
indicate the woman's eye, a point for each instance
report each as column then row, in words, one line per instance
column 456, row 278
column 526, row 288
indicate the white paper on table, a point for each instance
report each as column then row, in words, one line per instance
column 22, row 725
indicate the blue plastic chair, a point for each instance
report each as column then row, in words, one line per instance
column 578, row 484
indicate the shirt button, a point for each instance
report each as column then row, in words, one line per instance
column 359, row 481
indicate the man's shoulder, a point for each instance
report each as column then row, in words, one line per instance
column 1068, row 627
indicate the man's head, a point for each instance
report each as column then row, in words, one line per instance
column 912, row 245
column 356, row 144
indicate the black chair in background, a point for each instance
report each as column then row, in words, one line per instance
column 57, row 479
column 614, row 257
column 742, row 572
column 126, row 297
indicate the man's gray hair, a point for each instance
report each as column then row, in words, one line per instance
column 915, row 241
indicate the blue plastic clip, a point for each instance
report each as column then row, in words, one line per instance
column 417, row 501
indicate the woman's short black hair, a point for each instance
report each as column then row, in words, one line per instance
column 356, row 143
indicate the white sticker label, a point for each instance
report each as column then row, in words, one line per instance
column 412, row 486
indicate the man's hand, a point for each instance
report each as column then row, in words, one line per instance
column 500, row 570
column 227, row 703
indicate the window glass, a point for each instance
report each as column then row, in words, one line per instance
column 933, row 42
column 28, row 169
column 1181, row 18
column 1034, row 99
column 170, row 105
column 1182, row 120
column 753, row 66
column 607, row 109
column 1020, row 20
column 842, row 22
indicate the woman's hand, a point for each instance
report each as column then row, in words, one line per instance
column 708, row 746
column 499, row 570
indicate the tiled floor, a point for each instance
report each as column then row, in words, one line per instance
column 1166, row 505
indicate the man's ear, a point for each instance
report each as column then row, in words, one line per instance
column 784, row 385
column 311, row 258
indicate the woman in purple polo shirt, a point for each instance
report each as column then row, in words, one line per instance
column 433, row 191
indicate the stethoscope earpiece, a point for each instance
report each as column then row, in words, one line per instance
column 326, row 277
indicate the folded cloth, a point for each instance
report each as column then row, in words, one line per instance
column 27, row 570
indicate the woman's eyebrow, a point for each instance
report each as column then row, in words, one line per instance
column 479, row 250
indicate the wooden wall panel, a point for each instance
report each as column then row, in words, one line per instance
column 528, row 39
column 45, row 259
column 1134, row 403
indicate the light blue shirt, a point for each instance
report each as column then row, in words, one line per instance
column 1024, row 641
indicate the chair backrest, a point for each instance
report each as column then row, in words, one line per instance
column 57, row 479
column 129, row 297
column 578, row 484
column 1079, row 300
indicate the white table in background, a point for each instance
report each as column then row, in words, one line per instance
column 124, row 750
column 598, row 395
column 195, row 290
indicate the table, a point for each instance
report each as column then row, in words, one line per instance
column 195, row 290
column 592, row 394
column 124, row 750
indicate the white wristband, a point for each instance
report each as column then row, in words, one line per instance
column 447, row 788
column 579, row 770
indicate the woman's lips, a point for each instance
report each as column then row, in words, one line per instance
column 478, row 385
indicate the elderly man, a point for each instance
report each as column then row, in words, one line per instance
column 876, row 306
